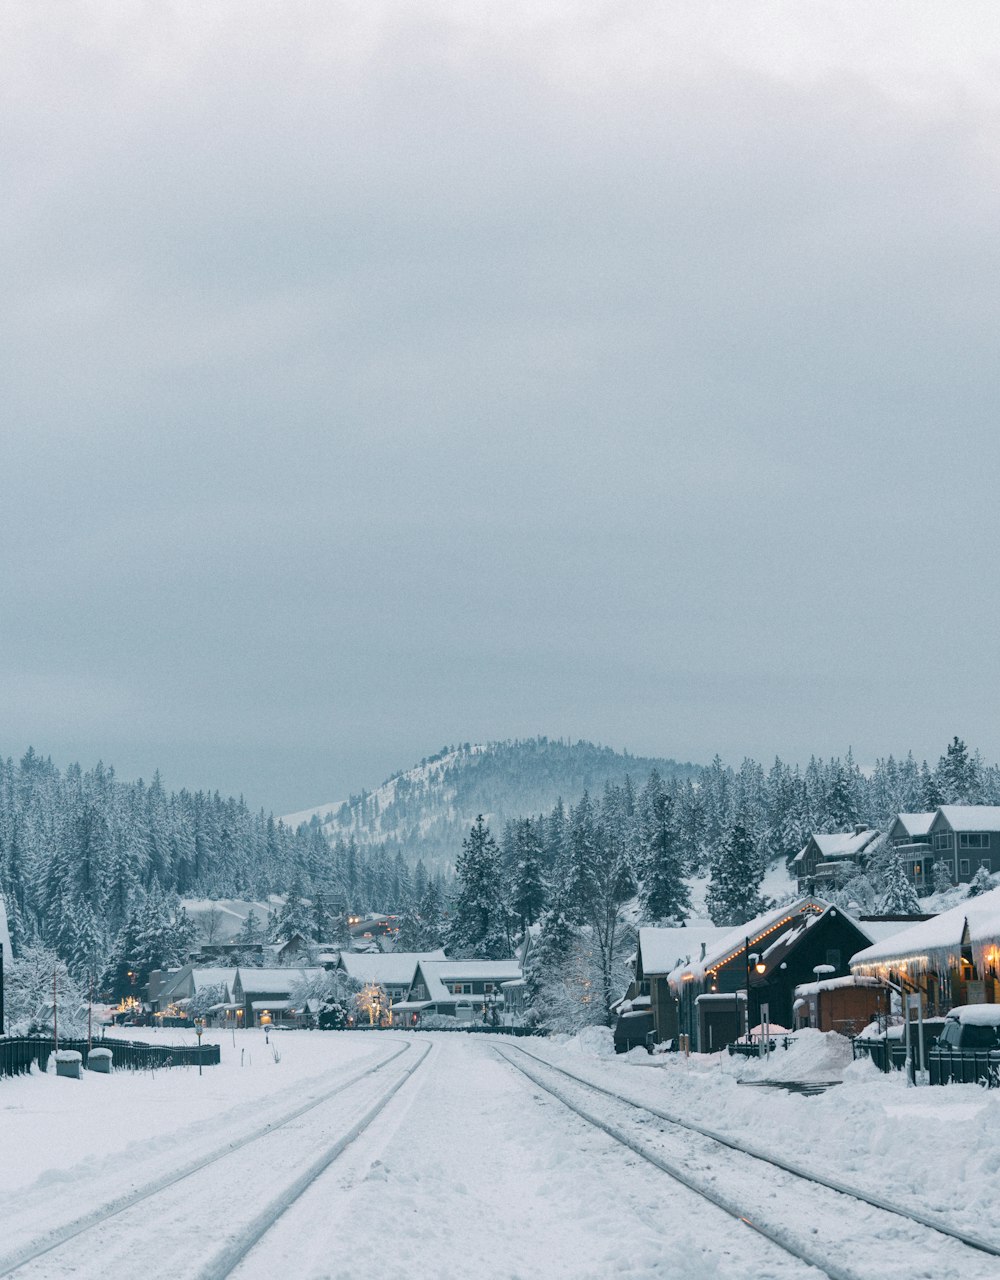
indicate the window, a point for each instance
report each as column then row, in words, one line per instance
column 942, row 839
column 833, row 958
column 974, row 840
column 918, row 870
column 963, row 866
column 985, row 862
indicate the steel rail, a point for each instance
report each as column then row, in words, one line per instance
column 788, row 1166
column 97, row 1217
column 777, row 1235
column 228, row 1259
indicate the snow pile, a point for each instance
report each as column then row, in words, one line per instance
column 595, row 1042
column 811, row 1055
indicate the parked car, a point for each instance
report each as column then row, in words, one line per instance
column 968, row 1049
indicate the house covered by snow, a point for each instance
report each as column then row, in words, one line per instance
column 831, row 858
column 393, row 971
column 257, row 992
column 648, row 1012
column 952, row 959
column 462, row 989
column 761, row 963
column 170, row 993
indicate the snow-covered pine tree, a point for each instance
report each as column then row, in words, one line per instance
column 479, row 926
column 942, row 876
column 981, row 882
column 734, row 895
column 528, row 873
column 665, row 895
column 295, row 917
column 898, row 895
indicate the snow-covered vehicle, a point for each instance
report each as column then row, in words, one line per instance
column 968, row 1048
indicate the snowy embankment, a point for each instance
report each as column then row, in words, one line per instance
column 930, row 1148
column 66, row 1131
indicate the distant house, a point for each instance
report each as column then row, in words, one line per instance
column 392, row 971
column 174, row 990
column 648, row 1012
column 462, row 989
column 828, row 859
column 966, row 837
column 259, row 991
column 951, row 959
column 722, row 995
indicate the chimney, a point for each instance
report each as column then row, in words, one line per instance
column 702, row 956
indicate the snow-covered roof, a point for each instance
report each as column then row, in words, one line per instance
column 266, row 980
column 834, row 984
column 732, row 941
column 971, row 817
column 394, row 967
column 843, row 844
column 270, row 1004
column 938, row 937
column 436, row 974
column 664, row 949
column 915, row 824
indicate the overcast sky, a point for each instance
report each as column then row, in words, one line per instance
column 376, row 377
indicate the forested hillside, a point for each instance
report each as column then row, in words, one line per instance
column 426, row 811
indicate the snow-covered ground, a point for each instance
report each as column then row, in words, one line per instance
column 471, row 1169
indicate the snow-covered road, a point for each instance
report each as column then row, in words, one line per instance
column 468, row 1169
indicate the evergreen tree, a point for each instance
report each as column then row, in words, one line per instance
column 528, row 874
column 898, row 895
column 734, row 888
column 294, row 917
column 942, row 876
column 981, row 882
column 665, row 895
column 479, row 926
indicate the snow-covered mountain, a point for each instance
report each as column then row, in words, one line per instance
column 426, row 811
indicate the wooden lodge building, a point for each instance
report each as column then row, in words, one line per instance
column 767, row 957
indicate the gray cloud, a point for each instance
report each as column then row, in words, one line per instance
column 376, row 380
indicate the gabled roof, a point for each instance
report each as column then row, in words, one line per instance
column 968, row 817
column 915, row 824
column 436, row 974
column 940, row 936
column 200, row 979
column 267, row 981
column 395, row 967
column 839, row 844
column 663, row 949
column 758, row 931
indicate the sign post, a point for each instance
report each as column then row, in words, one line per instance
column 199, row 1027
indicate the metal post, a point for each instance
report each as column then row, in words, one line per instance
column 746, row 957
column 55, row 1013
column 2, row 1022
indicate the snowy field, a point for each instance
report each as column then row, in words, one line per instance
column 471, row 1169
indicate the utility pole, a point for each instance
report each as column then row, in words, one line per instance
column 55, row 1012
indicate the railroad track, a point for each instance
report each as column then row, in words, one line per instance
column 933, row 1239
column 43, row 1256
